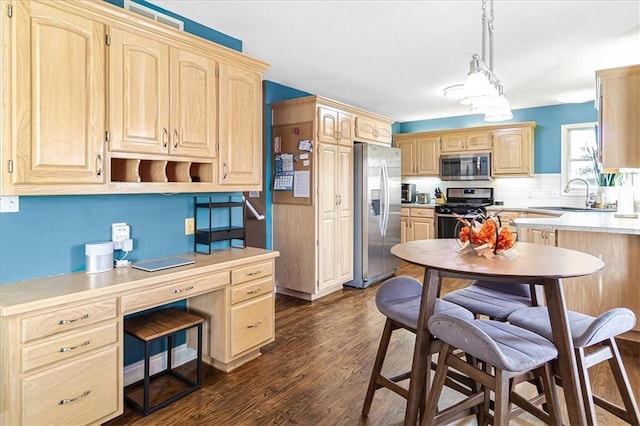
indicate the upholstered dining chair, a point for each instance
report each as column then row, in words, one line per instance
column 398, row 299
column 508, row 353
column 591, row 332
column 493, row 299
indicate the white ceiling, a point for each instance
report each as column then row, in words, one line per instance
column 395, row 57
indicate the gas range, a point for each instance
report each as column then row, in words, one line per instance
column 466, row 201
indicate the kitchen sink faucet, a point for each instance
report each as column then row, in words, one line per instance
column 587, row 201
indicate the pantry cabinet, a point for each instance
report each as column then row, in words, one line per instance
column 618, row 111
column 100, row 101
column 335, row 126
column 58, row 114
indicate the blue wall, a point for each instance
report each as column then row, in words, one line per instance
column 547, row 146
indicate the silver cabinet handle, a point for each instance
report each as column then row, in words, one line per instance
column 62, row 322
column 70, row 348
column 165, row 136
column 175, row 139
column 257, row 290
column 184, row 289
column 258, row 324
column 99, row 164
column 69, row 401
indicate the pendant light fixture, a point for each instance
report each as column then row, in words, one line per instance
column 482, row 89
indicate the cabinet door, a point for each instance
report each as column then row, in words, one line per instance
column 478, row 141
column 407, row 159
column 138, row 93
column 59, row 95
column 194, row 100
column 328, row 164
column 346, row 129
column 428, row 156
column 240, row 160
column 344, row 243
column 422, row 229
column 512, row 152
column 406, row 233
column 619, row 111
column 453, row 143
column 327, row 125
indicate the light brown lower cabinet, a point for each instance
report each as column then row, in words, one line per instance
column 416, row 224
column 61, row 337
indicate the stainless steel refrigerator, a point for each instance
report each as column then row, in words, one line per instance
column 376, row 213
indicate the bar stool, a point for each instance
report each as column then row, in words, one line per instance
column 588, row 331
column 398, row 299
column 510, row 350
column 493, row 299
column 151, row 327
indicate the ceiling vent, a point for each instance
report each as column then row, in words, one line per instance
column 153, row 14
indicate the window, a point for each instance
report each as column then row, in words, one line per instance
column 579, row 154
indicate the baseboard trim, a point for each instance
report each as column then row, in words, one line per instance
column 180, row 355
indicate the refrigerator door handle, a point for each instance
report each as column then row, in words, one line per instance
column 384, row 189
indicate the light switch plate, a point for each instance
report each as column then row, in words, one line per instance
column 9, row 204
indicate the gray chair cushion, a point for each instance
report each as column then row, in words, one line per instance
column 502, row 345
column 398, row 298
column 495, row 300
column 585, row 329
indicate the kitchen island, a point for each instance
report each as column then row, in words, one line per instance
column 614, row 240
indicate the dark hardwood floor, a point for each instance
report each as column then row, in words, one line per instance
column 317, row 371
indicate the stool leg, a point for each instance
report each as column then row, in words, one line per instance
column 377, row 365
column 622, row 381
column 552, row 403
column 437, row 385
column 501, row 405
column 585, row 383
column 145, row 397
column 199, row 366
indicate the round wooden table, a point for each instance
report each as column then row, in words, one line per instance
column 525, row 263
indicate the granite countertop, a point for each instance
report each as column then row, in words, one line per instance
column 426, row 206
column 579, row 221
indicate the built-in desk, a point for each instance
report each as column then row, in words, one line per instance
column 61, row 337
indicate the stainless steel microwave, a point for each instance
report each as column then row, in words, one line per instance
column 466, row 166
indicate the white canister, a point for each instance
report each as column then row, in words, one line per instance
column 99, row 256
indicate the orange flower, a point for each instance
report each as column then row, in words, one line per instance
column 505, row 239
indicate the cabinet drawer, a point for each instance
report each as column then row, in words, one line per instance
column 79, row 392
column 404, row 212
column 422, row 212
column 176, row 291
column 67, row 319
column 251, row 272
column 68, row 346
column 251, row 290
column 252, row 323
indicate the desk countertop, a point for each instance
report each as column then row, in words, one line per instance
column 34, row 294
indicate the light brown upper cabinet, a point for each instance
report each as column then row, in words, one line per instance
column 619, row 116
column 420, row 155
column 466, row 141
column 513, row 152
column 57, row 118
column 240, row 159
column 162, row 99
column 335, row 126
column 371, row 129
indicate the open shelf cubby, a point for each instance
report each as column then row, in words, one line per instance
column 162, row 171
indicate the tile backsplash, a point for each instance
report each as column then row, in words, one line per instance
column 538, row 190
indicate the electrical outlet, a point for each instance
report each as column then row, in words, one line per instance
column 119, row 232
column 189, row 226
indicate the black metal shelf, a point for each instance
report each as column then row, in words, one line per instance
column 208, row 233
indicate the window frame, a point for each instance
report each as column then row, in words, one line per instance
column 565, row 141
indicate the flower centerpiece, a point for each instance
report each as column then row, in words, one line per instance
column 485, row 235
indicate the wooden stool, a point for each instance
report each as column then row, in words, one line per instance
column 157, row 325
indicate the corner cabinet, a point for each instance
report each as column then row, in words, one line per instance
column 104, row 101
column 618, row 111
